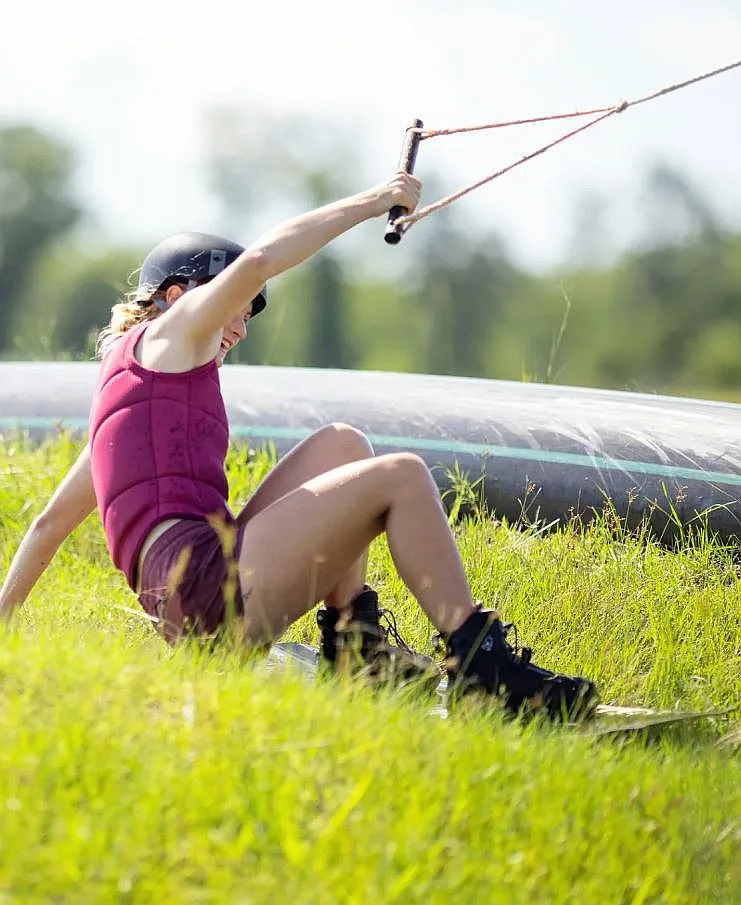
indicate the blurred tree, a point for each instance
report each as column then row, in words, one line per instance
column 673, row 209
column 678, row 281
column 327, row 344
column 713, row 358
column 590, row 243
column 68, row 299
column 465, row 279
column 36, row 208
column 85, row 305
column 638, row 323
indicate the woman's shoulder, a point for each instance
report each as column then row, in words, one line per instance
column 116, row 351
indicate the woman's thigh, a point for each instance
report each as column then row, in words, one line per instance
column 294, row 551
column 325, row 449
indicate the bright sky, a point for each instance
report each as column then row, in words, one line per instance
column 128, row 83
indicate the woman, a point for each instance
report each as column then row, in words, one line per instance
column 154, row 465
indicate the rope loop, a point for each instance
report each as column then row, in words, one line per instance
column 598, row 113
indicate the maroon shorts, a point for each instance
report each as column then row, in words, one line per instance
column 189, row 579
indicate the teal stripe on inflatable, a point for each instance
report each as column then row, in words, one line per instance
column 44, row 424
column 452, row 447
column 564, row 458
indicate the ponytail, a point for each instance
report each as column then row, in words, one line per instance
column 135, row 308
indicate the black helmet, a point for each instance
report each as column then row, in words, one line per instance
column 191, row 258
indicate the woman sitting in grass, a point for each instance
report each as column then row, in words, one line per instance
column 154, row 465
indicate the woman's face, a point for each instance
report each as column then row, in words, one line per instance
column 234, row 332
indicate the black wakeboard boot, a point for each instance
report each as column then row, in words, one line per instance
column 479, row 657
column 356, row 640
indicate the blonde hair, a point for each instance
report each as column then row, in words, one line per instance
column 136, row 307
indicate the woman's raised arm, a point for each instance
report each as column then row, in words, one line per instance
column 209, row 308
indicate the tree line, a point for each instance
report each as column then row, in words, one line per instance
column 661, row 318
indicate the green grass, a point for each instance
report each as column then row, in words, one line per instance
column 130, row 772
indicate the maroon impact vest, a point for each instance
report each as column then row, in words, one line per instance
column 158, row 442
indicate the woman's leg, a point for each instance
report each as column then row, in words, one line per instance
column 296, row 549
column 325, row 449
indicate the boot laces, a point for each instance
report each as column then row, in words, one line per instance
column 519, row 654
column 386, row 627
column 387, row 624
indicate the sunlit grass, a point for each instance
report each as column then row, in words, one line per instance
column 130, row 772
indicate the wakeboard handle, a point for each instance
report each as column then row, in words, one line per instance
column 407, row 160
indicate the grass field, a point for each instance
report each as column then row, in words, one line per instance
column 130, row 772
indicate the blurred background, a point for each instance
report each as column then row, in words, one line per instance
column 613, row 260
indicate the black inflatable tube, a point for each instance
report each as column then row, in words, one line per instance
column 545, row 453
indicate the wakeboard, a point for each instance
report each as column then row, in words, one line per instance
column 609, row 719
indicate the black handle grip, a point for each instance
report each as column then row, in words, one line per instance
column 407, row 160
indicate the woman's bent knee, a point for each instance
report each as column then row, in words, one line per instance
column 406, row 468
column 408, row 462
column 351, row 444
